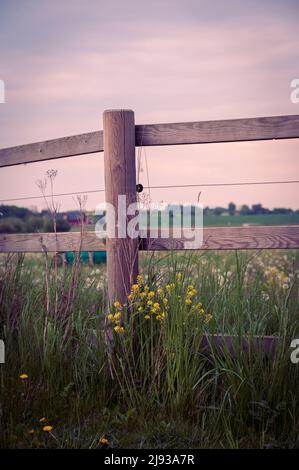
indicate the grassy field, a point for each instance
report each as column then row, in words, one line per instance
column 236, row 220
column 267, row 219
column 142, row 382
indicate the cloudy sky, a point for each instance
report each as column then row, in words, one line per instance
column 64, row 62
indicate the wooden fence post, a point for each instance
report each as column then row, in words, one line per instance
column 120, row 179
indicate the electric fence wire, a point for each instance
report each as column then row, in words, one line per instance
column 172, row 186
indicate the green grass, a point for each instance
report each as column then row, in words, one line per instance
column 266, row 219
column 228, row 220
column 151, row 387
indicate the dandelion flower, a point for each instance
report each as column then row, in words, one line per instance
column 208, row 318
column 119, row 329
column 23, row 376
column 147, row 317
column 117, row 316
column 117, row 304
column 103, row 441
column 47, row 428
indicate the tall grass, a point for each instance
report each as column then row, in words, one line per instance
column 151, row 385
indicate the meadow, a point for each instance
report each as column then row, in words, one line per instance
column 80, row 376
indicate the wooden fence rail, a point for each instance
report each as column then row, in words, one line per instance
column 214, row 238
column 202, row 132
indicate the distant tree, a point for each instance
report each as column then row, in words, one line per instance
column 12, row 225
column 62, row 225
column 282, row 210
column 232, row 208
column 34, row 223
column 245, row 210
column 14, row 211
column 219, row 210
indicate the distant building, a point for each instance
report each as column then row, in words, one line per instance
column 75, row 217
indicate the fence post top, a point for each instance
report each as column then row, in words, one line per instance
column 118, row 111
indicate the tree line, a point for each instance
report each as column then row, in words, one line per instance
column 14, row 219
column 255, row 209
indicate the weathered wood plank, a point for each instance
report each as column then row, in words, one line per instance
column 230, row 130
column 218, row 238
column 51, row 149
column 50, row 242
column 233, row 238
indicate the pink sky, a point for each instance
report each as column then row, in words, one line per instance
column 64, row 63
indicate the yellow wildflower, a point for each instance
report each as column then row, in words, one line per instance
column 110, row 317
column 170, row 287
column 47, row 428
column 103, row 441
column 208, row 318
column 151, row 294
column 178, row 276
column 188, row 301
column 139, row 279
column 149, row 302
column 135, row 288
column 161, row 317
column 23, row 376
column 119, row 329
column 160, row 291
column 117, row 316
column 43, row 420
column 117, row 304
column 147, row 317
column 130, row 297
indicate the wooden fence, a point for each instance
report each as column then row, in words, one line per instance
column 118, row 140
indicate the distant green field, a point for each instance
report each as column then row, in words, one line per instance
column 235, row 220
column 267, row 219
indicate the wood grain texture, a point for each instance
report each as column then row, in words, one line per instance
column 51, row 149
column 120, row 180
column 50, row 242
column 230, row 130
column 232, row 238
column 220, row 238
